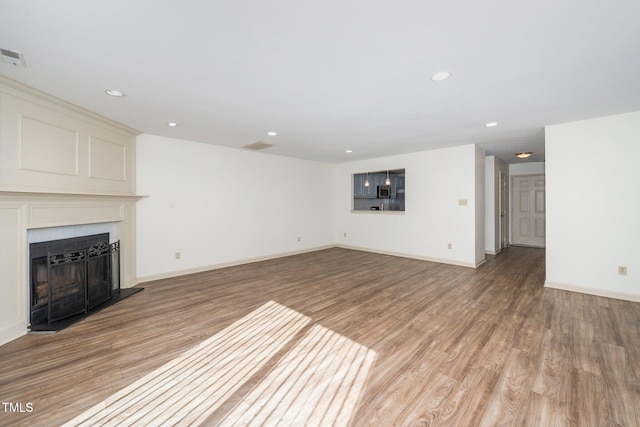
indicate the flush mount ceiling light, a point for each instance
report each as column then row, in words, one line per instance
column 348, row 151
column 172, row 124
column 491, row 124
column 440, row 76
column 524, row 154
column 272, row 133
column 114, row 92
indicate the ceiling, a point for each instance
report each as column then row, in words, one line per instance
column 330, row 76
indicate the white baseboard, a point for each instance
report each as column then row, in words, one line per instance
column 11, row 331
column 421, row 258
column 177, row 273
column 591, row 291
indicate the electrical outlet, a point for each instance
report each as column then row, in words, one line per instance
column 622, row 270
column 449, row 246
column 178, row 255
column 345, row 234
column 298, row 238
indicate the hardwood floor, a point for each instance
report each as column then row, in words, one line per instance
column 382, row 341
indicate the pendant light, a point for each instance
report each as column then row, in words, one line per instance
column 387, row 181
column 366, row 179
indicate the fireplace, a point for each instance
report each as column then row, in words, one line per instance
column 72, row 278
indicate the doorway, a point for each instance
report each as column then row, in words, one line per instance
column 503, row 206
column 528, row 211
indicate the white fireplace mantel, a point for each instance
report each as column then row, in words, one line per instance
column 21, row 211
column 60, row 165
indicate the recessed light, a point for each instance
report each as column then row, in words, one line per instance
column 524, row 154
column 172, row 124
column 114, row 92
column 348, row 151
column 272, row 133
column 491, row 124
column 440, row 76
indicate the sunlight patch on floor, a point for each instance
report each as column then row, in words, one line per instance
column 190, row 387
column 317, row 382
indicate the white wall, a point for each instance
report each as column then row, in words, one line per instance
column 530, row 168
column 435, row 181
column 593, row 205
column 219, row 206
column 493, row 168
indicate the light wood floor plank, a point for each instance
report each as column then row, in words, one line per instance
column 434, row 344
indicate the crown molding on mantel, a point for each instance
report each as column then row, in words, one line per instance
column 43, row 195
column 62, row 209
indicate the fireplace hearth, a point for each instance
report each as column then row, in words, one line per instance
column 73, row 278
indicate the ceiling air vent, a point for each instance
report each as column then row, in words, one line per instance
column 13, row 57
column 257, row 146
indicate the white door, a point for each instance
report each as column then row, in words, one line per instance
column 528, row 211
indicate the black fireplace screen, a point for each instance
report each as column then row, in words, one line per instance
column 66, row 281
column 71, row 277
